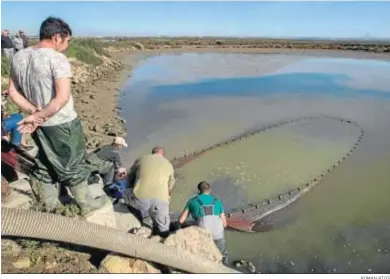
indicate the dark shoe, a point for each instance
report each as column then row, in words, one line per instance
column 225, row 260
column 134, row 230
column 174, row 226
column 112, row 191
column 93, row 179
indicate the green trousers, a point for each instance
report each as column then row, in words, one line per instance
column 104, row 168
column 60, row 155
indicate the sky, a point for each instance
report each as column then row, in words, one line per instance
column 258, row 19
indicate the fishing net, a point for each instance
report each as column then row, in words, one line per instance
column 262, row 170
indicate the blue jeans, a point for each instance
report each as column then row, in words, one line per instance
column 11, row 126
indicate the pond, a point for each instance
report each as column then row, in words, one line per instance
column 188, row 101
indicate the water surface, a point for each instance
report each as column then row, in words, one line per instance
column 186, row 102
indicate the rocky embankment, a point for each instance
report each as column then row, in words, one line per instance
column 95, row 91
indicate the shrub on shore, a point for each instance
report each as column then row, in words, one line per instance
column 128, row 42
column 94, row 44
column 86, row 50
column 5, row 66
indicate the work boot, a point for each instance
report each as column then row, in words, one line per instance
column 93, row 179
column 83, row 197
column 45, row 194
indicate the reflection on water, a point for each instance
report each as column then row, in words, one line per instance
column 342, row 225
column 284, row 83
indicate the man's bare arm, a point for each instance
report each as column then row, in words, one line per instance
column 171, row 182
column 19, row 99
column 183, row 216
column 62, row 89
column 132, row 174
column 223, row 218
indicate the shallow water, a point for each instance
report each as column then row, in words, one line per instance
column 269, row 163
column 187, row 102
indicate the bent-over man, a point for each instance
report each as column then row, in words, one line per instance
column 208, row 213
column 152, row 180
column 107, row 162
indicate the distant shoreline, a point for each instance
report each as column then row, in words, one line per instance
column 310, row 52
column 231, row 38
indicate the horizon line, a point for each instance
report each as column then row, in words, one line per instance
column 364, row 38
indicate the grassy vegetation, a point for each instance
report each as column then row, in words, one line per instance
column 221, row 42
column 32, row 42
column 10, row 107
column 126, row 43
column 86, row 50
column 5, row 66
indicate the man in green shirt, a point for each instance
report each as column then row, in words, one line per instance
column 208, row 213
column 152, row 179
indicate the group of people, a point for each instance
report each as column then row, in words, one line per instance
column 40, row 86
column 150, row 186
column 9, row 46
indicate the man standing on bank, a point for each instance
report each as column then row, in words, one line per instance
column 7, row 46
column 208, row 213
column 40, row 85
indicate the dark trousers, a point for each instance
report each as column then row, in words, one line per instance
column 60, row 155
column 221, row 245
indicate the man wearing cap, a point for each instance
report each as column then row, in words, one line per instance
column 24, row 38
column 107, row 162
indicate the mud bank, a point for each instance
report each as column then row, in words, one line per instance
column 96, row 99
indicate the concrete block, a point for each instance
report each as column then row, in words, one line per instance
column 97, row 190
column 104, row 216
column 125, row 220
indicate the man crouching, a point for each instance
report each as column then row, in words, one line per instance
column 208, row 213
column 152, row 179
